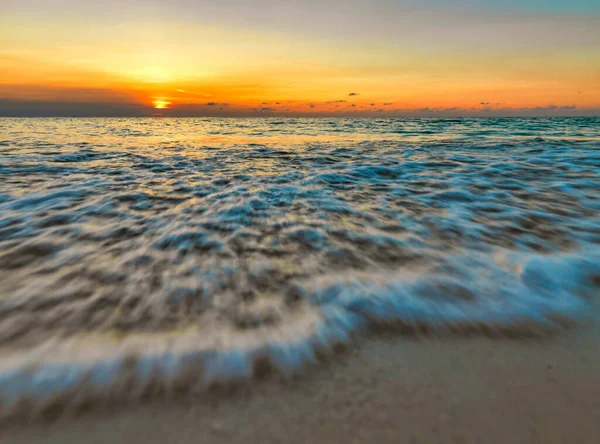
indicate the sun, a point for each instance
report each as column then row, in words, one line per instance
column 160, row 103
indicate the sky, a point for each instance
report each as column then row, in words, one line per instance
column 310, row 57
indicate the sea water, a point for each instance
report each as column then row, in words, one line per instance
column 179, row 253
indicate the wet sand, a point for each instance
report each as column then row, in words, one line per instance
column 385, row 389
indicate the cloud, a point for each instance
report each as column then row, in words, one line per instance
column 66, row 108
column 487, row 111
column 194, row 93
column 211, row 104
column 550, row 108
column 265, row 103
column 484, row 103
column 353, row 94
column 117, row 107
column 442, row 110
column 311, row 105
column 387, row 104
column 372, row 104
column 541, row 109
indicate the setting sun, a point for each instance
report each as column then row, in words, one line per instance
column 160, row 104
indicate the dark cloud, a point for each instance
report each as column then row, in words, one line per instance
column 551, row 108
column 487, row 111
column 61, row 94
column 443, row 110
column 211, row 104
column 541, row 109
column 484, row 103
column 265, row 103
column 311, row 105
column 353, row 94
column 39, row 108
column 372, row 104
column 387, row 104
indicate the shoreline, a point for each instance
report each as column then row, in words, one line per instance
column 382, row 389
column 158, row 278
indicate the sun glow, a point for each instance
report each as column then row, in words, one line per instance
column 160, row 103
column 181, row 67
column 152, row 74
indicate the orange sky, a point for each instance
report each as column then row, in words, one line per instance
column 426, row 60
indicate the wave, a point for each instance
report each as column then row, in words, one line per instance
column 209, row 251
column 503, row 294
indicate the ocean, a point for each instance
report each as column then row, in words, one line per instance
column 151, row 254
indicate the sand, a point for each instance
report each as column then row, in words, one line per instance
column 384, row 389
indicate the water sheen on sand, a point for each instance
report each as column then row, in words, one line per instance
column 178, row 252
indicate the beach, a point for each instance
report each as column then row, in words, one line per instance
column 384, row 390
column 299, row 280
